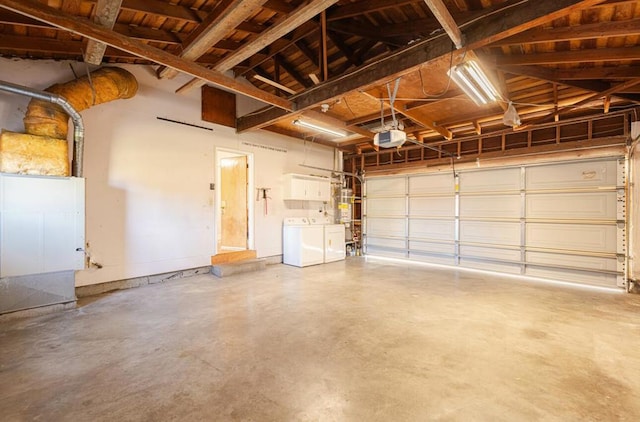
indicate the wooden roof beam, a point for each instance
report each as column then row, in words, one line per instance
column 282, row 44
column 574, row 56
column 90, row 30
column 292, row 71
column 364, row 6
column 398, row 106
column 505, row 22
column 577, row 32
column 551, row 75
column 564, row 110
column 222, row 20
column 105, row 15
column 296, row 18
column 443, row 16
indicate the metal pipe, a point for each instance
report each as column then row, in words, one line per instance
column 78, row 125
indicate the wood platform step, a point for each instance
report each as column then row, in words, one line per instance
column 234, row 256
column 239, row 267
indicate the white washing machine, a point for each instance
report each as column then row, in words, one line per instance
column 333, row 244
column 302, row 242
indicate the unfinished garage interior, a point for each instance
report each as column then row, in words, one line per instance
column 319, row 210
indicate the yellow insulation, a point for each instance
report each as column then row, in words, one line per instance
column 109, row 83
column 28, row 154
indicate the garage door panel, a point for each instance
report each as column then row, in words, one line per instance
column 432, row 229
column 573, row 175
column 432, row 184
column 495, row 233
column 577, row 261
column 385, row 227
column 470, row 251
column 432, row 258
column 576, row 237
column 490, row 266
column 490, row 180
column 442, row 248
column 386, row 207
column 386, row 252
column 581, row 277
column 594, row 205
column 386, row 186
column 564, row 215
column 432, row 206
column 494, row 206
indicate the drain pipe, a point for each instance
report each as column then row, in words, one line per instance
column 78, row 125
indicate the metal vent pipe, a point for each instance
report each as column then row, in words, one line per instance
column 78, row 125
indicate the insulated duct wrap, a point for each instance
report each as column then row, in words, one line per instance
column 44, row 118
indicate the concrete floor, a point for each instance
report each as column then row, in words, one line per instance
column 347, row 341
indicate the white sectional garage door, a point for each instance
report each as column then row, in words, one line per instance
column 563, row 221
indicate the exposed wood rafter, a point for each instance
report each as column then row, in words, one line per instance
column 90, row 30
column 106, row 13
column 296, row 18
column 443, row 16
column 224, row 18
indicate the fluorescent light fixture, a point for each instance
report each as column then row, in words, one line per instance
column 473, row 81
column 323, row 129
column 274, row 83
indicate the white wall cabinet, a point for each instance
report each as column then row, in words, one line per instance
column 302, row 187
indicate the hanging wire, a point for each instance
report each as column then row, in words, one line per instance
column 440, row 94
column 348, row 106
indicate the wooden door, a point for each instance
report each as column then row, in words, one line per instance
column 234, row 210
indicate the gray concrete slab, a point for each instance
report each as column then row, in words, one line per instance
column 346, row 341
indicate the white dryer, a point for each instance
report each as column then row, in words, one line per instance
column 302, row 243
column 333, row 245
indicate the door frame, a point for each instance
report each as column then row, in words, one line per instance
column 221, row 153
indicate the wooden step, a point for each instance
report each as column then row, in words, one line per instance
column 239, row 267
column 233, row 256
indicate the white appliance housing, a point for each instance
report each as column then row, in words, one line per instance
column 302, row 243
column 333, row 234
column 390, row 139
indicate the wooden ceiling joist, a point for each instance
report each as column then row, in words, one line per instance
column 564, row 110
column 575, row 32
column 296, row 18
column 520, row 17
column 443, row 16
column 574, row 56
column 552, row 76
column 282, row 44
column 90, row 30
column 105, row 15
column 217, row 25
column 364, row 6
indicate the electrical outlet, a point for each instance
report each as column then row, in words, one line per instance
column 212, row 186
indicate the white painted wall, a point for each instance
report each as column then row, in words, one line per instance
column 149, row 209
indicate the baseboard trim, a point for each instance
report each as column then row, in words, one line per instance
column 271, row 260
column 109, row 286
column 130, row 283
column 39, row 311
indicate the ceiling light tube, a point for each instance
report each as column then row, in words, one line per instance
column 323, row 129
column 473, row 81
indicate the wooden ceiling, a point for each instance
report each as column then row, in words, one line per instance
column 335, row 62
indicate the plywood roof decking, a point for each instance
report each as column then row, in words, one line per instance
column 544, row 55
